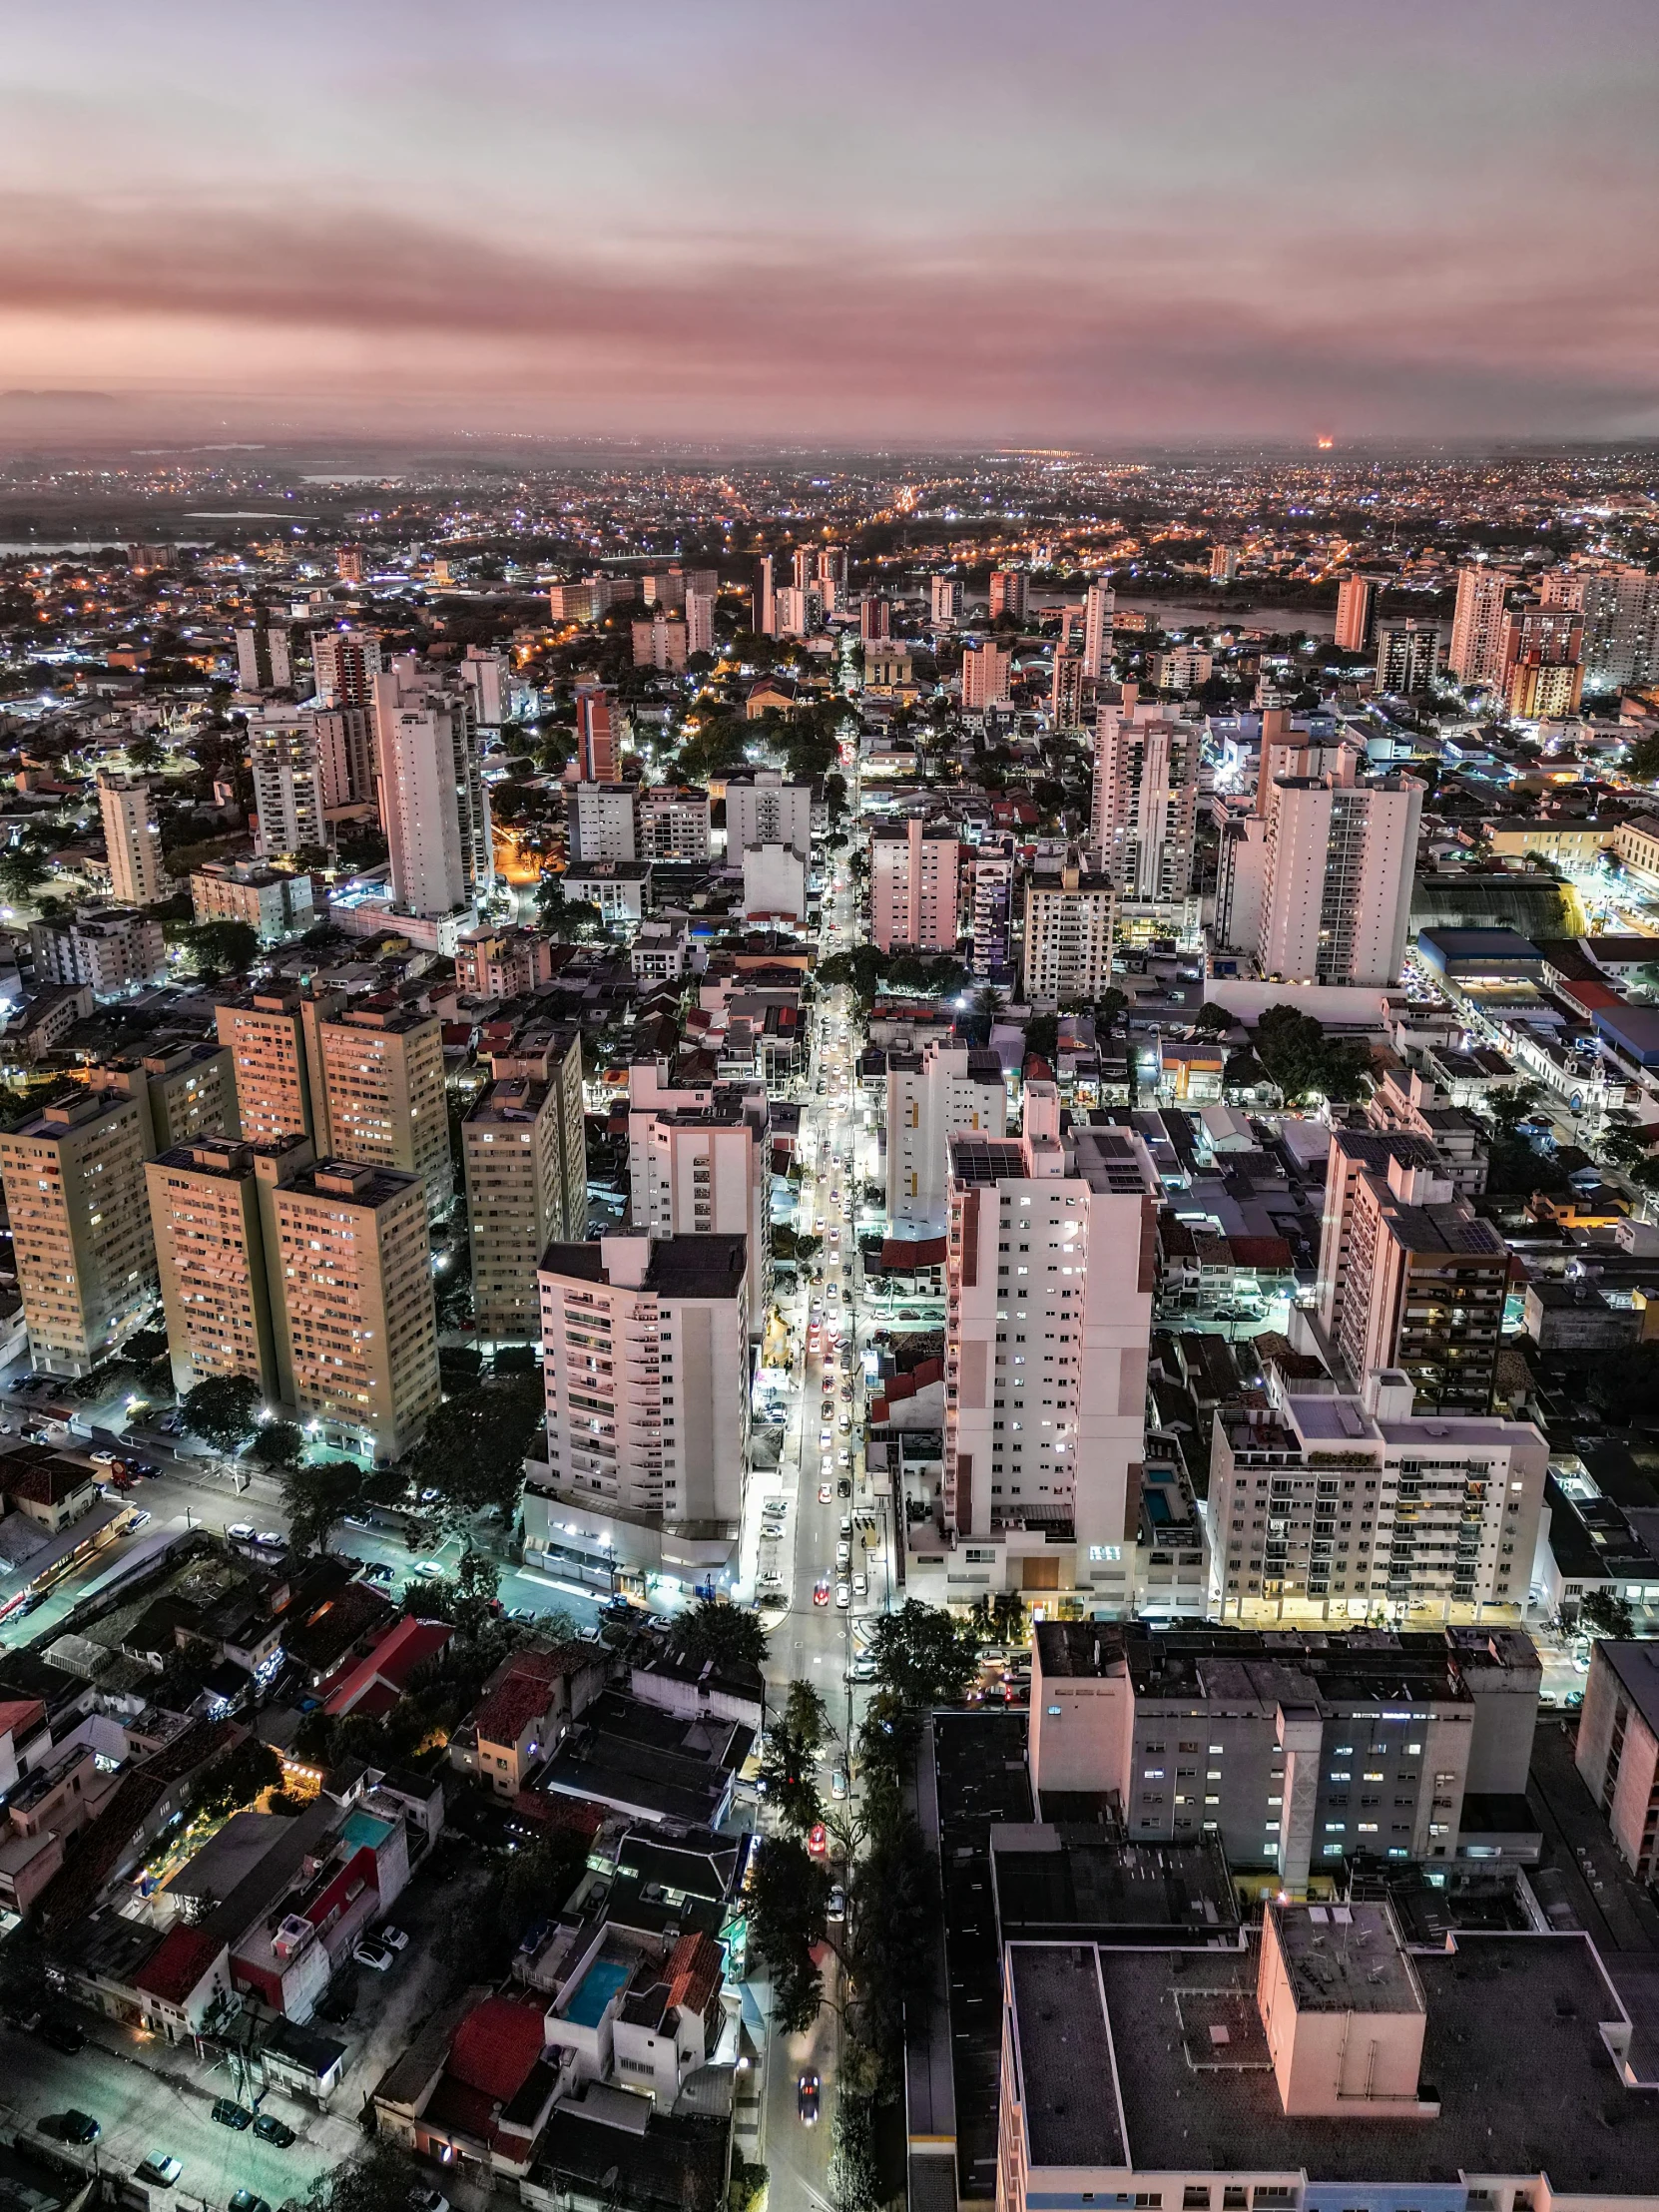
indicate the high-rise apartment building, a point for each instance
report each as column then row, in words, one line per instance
column 700, row 622
column 75, row 1199
column 266, row 1034
column 1411, row 1279
column 1180, row 668
column 1066, row 958
column 289, row 799
column 355, row 1324
column 433, row 800
column 1324, row 1507
column 265, row 656
column 831, row 569
column 992, row 914
column 646, row 1364
column 344, row 664
column 272, row 901
column 519, row 1151
column 985, row 670
column 112, row 949
column 803, row 567
column 764, row 599
column 133, row 840
column 913, row 874
column 800, row 613
column 1617, row 1748
column 760, row 809
column 179, row 1092
column 1099, row 610
column 1224, row 564
column 382, row 1076
column 1337, row 885
column 874, row 619
column 706, row 1170
column 1008, row 593
column 932, row 1095
column 486, row 673
column 1540, row 690
column 1484, row 593
column 660, row 643
column 1065, row 691
column 1410, row 654
column 601, row 819
column 1049, row 1278
column 1620, row 605
column 209, row 1202
column 1357, row 598
column 342, row 739
column 598, row 738
column 945, row 601
column 674, row 824
column 1144, row 811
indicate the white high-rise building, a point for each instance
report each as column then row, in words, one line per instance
column 932, row 1095
column 985, row 670
column 1477, row 622
column 1336, row 880
column 646, row 1366
column 602, row 822
column 704, row 1169
column 1620, row 606
column 1145, row 812
column 264, row 658
column 485, row 673
column 433, row 800
column 700, row 622
column 764, row 810
column 1099, row 606
column 133, row 840
column 1050, row 1280
column 945, row 601
column 914, row 875
column 1410, row 654
column 344, row 664
column 289, row 799
column 1066, row 959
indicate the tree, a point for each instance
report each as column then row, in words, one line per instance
column 787, row 1906
column 892, row 1917
column 1111, row 1005
column 1627, row 1142
column 1302, row 1060
column 222, row 947
column 1606, row 1613
column 788, row 1761
column 316, row 1498
column 224, row 1410
column 571, row 920
column 1628, row 1385
column 22, row 870
column 236, row 1778
column 475, row 1445
column 1212, row 1020
column 1001, row 1619
column 1641, row 760
column 532, row 1886
column 727, row 1634
column 383, row 2179
column 922, row 1655
column 278, row 1444
column 478, row 1578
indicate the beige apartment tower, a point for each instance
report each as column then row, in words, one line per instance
column 86, row 1264
column 264, row 1034
column 513, row 1144
column 209, row 1203
column 382, row 1077
column 1067, row 960
column 133, row 840
column 355, row 1327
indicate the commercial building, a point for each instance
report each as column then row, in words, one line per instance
column 985, row 670
column 1292, row 1748
column 381, row 1075
column 1145, row 807
column 133, row 840
column 913, row 873
column 526, row 1187
column 931, row 1096
column 1066, row 958
column 80, row 1226
column 433, row 800
column 1331, row 1505
column 1337, row 866
column 210, row 1201
column 1618, row 1745
column 601, row 819
column 1049, row 1283
column 1410, row 1277
column 355, row 1327
column 274, row 903
column 289, row 799
column 646, row 1362
column 111, row 949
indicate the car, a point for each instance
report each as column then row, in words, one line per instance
column 78, row 2127
column 428, row 1570
column 229, row 2113
column 240, row 1532
column 270, row 2129
column 825, row 1494
column 272, row 1541
column 378, row 1571
column 846, row 1524
column 772, row 1579
column 835, row 1907
column 806, row 2099
column 428, row 2200
column 375, row 1955
column 244, row 2200
column 523, row 1615
column 61, row 2034
column 160, row 2172
column 394, row 1939
column 837, row 1783
column 844, row 1596
column 821, row 1593
column 860, row 1585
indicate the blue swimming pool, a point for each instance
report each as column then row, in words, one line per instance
column 595, row 1990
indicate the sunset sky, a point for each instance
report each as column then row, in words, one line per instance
column 1055, row 222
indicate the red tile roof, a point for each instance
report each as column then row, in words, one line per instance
column 390, row 1664
column 17, row 1715
column 495, row 2047
column 695, row 1968
column 178, row 1965
column 508, row 1712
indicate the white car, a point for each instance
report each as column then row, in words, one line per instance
column 860, row 1585
column 375, row 1955
column 394, row 1939
column 240, row 1532
column 843, row 1597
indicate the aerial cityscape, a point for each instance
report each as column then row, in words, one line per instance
column 830, row 1110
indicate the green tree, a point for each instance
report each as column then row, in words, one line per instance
column 786, row 1905
column 571, row 920
column 924, row 1655
column 1302, row 1060
column 1641, row 760
column 1001, row 1619
column 477, row 1579
column 278, row 1444
column 1627, row 1142
column 788, row 1761
column 222, row 947
column 380, row 2179
column 22, row 871
column 316, row 1498
column 1606, row 1613
column 893, row 1921
column 728, row 1634
column 1212, row 1020
column 224, row 1410
column 475, row 1444
column 1628, row 1385
column 236, row 1778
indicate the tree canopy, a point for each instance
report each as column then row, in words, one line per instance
column 1302, row 1060
column 317, row 1497
column 475, row 1444
column 727, row 1634
column 224, row 1410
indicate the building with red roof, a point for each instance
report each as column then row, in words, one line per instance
column 525, row 1713
column 374, row 1683
column 475, row 2088
column 182, row 1980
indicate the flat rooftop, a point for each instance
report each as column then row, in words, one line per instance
column 1064, row 2050
column 1057, row 1883
column 1345, row 1958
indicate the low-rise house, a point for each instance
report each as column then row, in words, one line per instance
column 525, row 1713
column 701, row 1689
column 373, row 1684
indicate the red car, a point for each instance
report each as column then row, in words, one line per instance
column 818, row 1843
column 821, row 1593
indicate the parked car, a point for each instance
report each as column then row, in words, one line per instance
column 844, row 1596
column 78, row 2127
column 428, row 2200
column 244, row 2200
column 836, row 1909
column 270, row 2129
column 160, row 2172
column 375, row 1956
column 428, row 1570
column 240, row 1532
column 271, row 1540
column 837, row 1784
column 229, row 2113
column 394, row 1939
column 61, row 2034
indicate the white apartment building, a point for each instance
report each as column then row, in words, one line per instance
column 933, row 1095
column 660, row 953
column 1336, row 880
column 700, row 622
column 662, row 642
column 646, row 1364
column 985, row 670
column 1337, row 1506
column 1066, row 958
column 487, row 674
column 1484, row 592
column 1099, row 608
column 112, row 949
column 75, row 1198
column 433, row 800
column 1050, row 1285
column 344, row 664
column 601, row 818
column 1620, row 606
column 1181, row 667
column 764, row 810
column 288, row 798
column 945, row 601
column 133, row 840
column 914, row 871
column 342, row 739
column 992, row 912
column 1145, row 808
column 513, row 1144
column 674, row 824
column 276, row 905
column 1409, row 655
column 700, row 1164
column 265, row 656
column 775, row 884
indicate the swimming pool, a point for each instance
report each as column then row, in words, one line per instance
column 595, row 1990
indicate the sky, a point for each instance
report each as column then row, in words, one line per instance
column 1040, row 222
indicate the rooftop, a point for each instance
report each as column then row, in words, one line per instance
column 1063, row 2049
column 1344, row 1958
